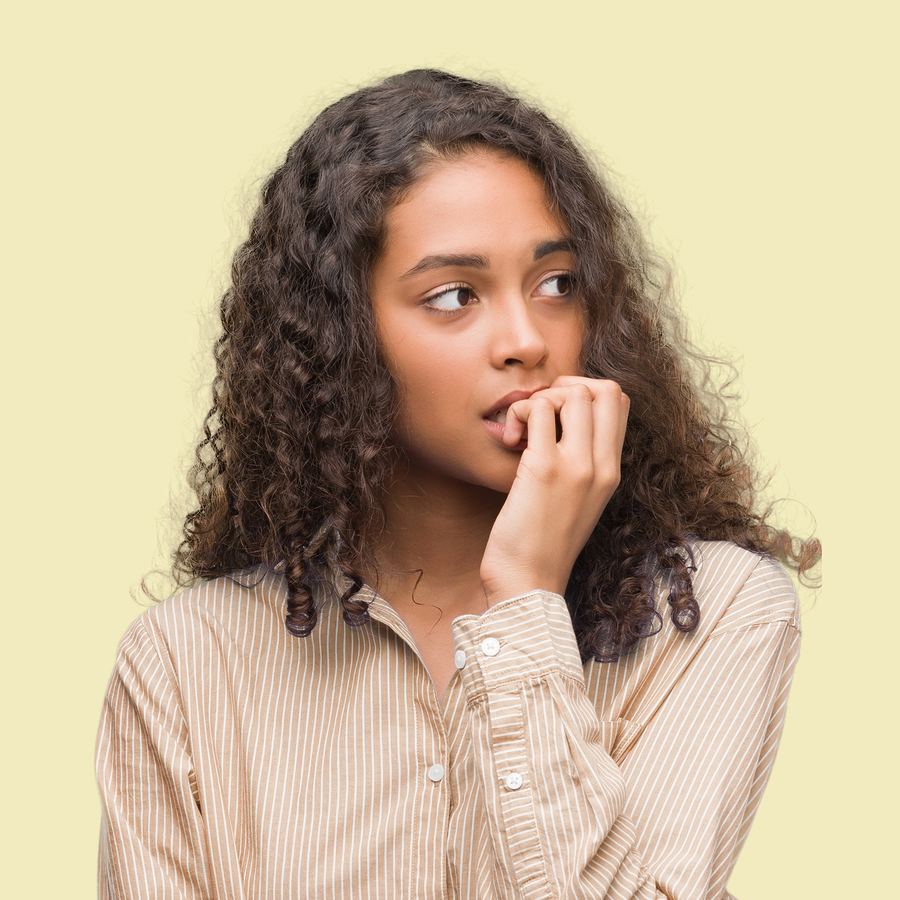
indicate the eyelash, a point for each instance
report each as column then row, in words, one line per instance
column 444, row 291
column 464, row 287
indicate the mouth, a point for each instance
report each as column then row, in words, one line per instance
column 495, row 417
column 497, row 413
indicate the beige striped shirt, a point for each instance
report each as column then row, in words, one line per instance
column 235, row 761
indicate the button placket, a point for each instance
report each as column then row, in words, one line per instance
column 514, row 781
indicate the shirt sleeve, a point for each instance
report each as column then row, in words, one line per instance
column 144, row 764
column 566, row 821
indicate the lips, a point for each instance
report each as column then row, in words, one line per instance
column 497, row 413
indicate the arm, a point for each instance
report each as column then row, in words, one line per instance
column 552, row 794
column 668, row 820
column 144, row 763
column 577, row 832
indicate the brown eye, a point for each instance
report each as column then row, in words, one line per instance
column 453, row 299
column 557, row 285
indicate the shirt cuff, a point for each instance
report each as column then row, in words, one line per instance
column 524, row 638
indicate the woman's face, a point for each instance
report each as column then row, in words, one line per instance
column 475, row 308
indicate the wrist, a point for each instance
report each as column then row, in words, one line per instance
column 498, row 590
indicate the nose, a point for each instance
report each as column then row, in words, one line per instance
column 516, row 338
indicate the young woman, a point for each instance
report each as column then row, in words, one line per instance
column 482, row 603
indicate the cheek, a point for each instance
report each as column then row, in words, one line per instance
column 568, row 344
column 423, row 381
column 433, row 379
column 435, row 393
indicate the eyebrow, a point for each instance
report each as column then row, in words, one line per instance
column 548, row 247
column 475, row 261
column 441, row 260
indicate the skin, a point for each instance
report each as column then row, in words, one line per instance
column 473, row 301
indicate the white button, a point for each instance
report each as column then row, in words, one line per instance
column 460, row 659
column 490, row 646
column 436, row 772
column 514, row 781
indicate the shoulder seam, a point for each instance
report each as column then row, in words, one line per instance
column 756, row 623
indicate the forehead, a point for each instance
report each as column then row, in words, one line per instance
column 480, row 199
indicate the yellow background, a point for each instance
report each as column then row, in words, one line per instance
column 756, row 137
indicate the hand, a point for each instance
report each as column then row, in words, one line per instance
column 561, row 487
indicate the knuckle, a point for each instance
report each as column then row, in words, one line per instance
column 582, row 475
column 550, row 473
column 610, row 477
column 612, row 388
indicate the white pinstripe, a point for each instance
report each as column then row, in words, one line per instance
column 235, row 761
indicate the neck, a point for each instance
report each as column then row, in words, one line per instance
column 434, row 540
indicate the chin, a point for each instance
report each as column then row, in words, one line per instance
column 499, row 480
column 492, row 468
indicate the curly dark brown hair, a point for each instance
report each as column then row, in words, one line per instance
column 299, row 432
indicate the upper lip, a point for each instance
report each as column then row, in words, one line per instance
column 511, row 398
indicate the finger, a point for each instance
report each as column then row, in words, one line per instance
column 514, row 427
column 611, row 403
column 617, row 406
column 562, row 381
column 517, row 414
column 625, row 408
column 576, row 416
column 610, row 412
column 541, row 417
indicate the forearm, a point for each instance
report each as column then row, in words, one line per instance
column 658, row 803
column 554, row 797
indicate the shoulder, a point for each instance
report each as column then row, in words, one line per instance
column 245, row 607
column 737, row 588
column 748, row 617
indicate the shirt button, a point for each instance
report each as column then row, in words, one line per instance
column 436, row 772
column 460, row 659
column 514, row 781
column 490, row 646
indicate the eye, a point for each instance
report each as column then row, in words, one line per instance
column 556, row 285
column 452, row 299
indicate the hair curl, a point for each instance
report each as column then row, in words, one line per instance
column 300, row 425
